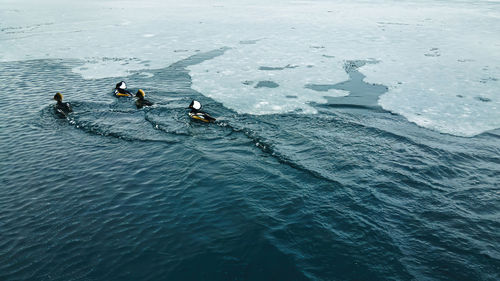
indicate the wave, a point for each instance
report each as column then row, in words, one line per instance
column 304, row 142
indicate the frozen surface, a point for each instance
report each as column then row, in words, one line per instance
column 440, row 59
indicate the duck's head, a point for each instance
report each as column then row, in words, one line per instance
column 121, row 85
column 58, row 97
column 140, row 94
column 195, row 105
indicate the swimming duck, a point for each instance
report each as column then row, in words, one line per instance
column 121, row 90
column 62, row 108
column 141, row 102
column 197, row 114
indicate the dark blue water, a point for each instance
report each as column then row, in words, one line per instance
column 352, row 193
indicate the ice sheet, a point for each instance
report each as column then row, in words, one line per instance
column 440, row 59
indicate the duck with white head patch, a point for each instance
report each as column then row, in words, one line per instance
column 197, row 114
column 121, row 90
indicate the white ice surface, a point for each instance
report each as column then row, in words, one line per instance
column 440, row 59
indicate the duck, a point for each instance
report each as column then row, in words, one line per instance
column 141, row 102
column 121, row 90
column 197, row 114
column 62, row 108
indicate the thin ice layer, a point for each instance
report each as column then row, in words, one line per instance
column 440, row 60
column 267, row 80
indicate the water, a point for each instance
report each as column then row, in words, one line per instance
column 117, row 193
column 327, row 161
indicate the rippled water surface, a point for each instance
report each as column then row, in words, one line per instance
column 351, row 193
